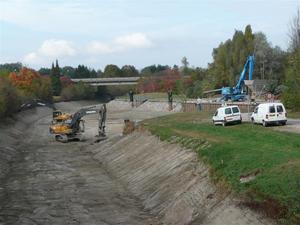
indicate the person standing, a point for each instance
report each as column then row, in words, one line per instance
column 131, row 97
column 198, row 104
column 170, row 99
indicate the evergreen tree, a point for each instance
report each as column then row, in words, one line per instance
column 55, row 79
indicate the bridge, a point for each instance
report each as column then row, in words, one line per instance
column 111, row 81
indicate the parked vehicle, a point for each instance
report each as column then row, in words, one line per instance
column 269, row 113
column 227, row 115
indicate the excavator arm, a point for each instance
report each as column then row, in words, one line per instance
column 249, row 65
column 87, row 111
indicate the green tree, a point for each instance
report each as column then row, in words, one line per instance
column 185, row 65
column 10, row 100
column 11, row 67
column 112, row 71
column 269, row 61
column 81, row 72
column 291, row 96
column 129, row 71
column 44, row 71
column 68, row 71
column 55, row 79
column 249, row 39
column 230, row 56
column 154, row 70
column 93, row 73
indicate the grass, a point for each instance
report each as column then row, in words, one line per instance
column 236, row 151
column 294, row 114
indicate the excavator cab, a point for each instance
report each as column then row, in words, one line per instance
column 59, row 117
column 56, row 113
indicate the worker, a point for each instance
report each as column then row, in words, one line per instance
column 170, row 99
column 198, row 104
column 131, row 97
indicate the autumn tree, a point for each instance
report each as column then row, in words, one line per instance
column 31, row 84
column 25, row 80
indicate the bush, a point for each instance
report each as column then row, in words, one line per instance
column 291, row 100
column 77, row 92
column 10, row 98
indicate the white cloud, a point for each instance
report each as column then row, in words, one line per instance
column 50, row 49
column 31, row 58
column 119, row 44
column 99, row 48
column 136, row 40
column 56, row 48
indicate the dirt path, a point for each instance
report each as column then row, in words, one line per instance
column 124, row 180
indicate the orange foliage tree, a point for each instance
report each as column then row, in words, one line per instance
column 31, row 83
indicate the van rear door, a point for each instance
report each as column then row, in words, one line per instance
column 280, row 112
column 236, row 113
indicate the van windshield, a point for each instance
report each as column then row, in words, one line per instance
column 279, row 108
column 228, row 111
column 235, row 110
column 272, row 109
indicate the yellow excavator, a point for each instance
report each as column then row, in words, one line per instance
column 67, row 126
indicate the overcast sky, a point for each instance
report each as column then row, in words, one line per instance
column 136, row 32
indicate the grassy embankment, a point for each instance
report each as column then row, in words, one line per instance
column 243, row 151
column 294, row 114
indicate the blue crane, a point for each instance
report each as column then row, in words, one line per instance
column 236, row 93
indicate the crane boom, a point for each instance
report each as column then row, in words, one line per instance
column 249, row 65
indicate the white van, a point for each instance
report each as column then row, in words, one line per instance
column 227, row 115
column 269, row 113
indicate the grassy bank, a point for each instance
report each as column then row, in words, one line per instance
column 294, row 114
column 240, row 153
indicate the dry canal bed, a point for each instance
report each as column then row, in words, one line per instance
column 136, row 179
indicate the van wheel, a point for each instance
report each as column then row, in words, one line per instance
column 283, row 123
column 223, row 123
column 264, row 123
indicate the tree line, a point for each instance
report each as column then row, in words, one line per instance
column 18, row 83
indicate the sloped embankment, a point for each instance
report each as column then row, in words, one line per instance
column 170, row 182
column 13, row 133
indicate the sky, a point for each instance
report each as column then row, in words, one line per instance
column 132, row 32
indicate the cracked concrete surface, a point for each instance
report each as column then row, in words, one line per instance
column 135, row 179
